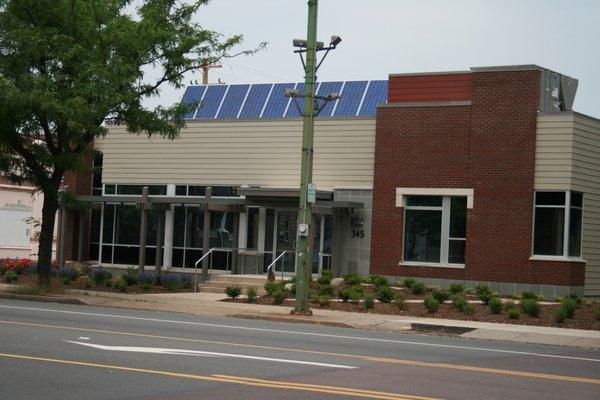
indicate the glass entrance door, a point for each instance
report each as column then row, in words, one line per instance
column 286, row 240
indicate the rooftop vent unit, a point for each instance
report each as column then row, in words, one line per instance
column 557, row 92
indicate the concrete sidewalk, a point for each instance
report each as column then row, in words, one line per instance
column 210, row 304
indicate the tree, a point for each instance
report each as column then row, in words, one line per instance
column 66, row 66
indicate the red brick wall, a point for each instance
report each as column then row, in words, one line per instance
column 488, row 146
column 457, row 86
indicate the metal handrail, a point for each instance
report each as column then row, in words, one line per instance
column 275, row 261
column 196, row 268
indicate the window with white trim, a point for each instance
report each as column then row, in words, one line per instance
column 435, row 229
column 557, row 226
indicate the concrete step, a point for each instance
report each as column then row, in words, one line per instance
column 255, row 279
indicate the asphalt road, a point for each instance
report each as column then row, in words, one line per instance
column 56, row 351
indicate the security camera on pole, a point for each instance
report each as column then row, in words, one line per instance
column 307, row 189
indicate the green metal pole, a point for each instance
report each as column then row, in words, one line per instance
column 304, row 248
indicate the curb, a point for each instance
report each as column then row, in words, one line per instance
column 456, row 330
column 46, row 299
column 291, row 319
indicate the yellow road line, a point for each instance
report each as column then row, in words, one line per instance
column 300, row 385
column 523, row 374
column 356, row 393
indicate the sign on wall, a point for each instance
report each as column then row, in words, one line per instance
column 14, row 225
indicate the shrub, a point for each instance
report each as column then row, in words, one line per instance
column 417, row 287
column 172, row 282
column 514, row 313
column 379, row 280
column 251, row 294
column 431, row 304
column 469, row 308
column 233, row 291
column 120, row 284
column 324, row 299
column 597, row 312
column 509, row 305
column 440, row 295
column 399, row 300
column 531, row 307
column 272, row 287
column 352, row 278
column 409, row 282
column 326, row 290
column 10, row 276
column 369, row 302
column 483, row 292
column 456, row 288
column 85, row 281
column 560, row 314
column 278, row 296
column 459, row 302
column 131, row 276
column 31, row 290
column 576, row 297
column 67, row 274
column 344, row 295
column 570, row 305
column 100, row 276
column 147, row 278
column 385, row 294
column 145, row 286
column 529, row 295
column 495, row 305
column 326, row 277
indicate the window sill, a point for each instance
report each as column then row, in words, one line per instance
column 430, row 265
column 556, row 258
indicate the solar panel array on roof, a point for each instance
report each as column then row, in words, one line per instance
column 267, row 100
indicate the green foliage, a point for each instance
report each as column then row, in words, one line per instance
column 379, row 280
column 352, row 278
column 459, row 302
column 576, row 297
column 560, row 314
column 597, row 312
column 272, row 287
column 495, row 305
column 251, row 294
column 146, row 286
column 233, row 291
column 326, row 277
column 531, row 307
column 469, row 308
column 399, row 300
column 570, row 305
column 440, row 295
column 483, row 292
column 385, row 294
column 326, row 290
column 369, row 302
column 456, row 288
column 279, row 296
column 417, row 287
column 131, row 276
column 409, row 282
column 514, row 313
column 85, row 281
column 353, row 293
column 100, row 276
column 324, row 299
column 530, row 295
column 431, row 304
column 10, row 276
column 30, row 290
column 120, row 284
column 509, row 305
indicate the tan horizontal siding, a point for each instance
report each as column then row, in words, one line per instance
column 554, row 148
column 265, row 152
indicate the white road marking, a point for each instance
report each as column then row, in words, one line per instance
column 407, row 342
column 160, row 350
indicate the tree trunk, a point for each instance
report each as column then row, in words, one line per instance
column 44, row 265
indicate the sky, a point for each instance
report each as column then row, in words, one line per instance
column 381, row 37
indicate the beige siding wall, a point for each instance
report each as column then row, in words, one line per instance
column 586, row 179
column 568, row 158
column 264, row 152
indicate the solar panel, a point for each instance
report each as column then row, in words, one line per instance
column 233, row 101
column 277, row 102
column 350, row 101
column 192, row 94
column 325, row 89
column 292, row 111
column 376, row 94
column 255, row 101
column 211, row 102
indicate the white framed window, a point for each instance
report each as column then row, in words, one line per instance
column 557, row 224
column 435, row 230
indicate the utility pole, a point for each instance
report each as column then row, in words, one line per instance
column 205, row 70
column 304, row 248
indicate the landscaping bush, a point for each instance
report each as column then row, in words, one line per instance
column 385, row 294
column 120, row 284
column 131, row 276
column 10, row 276
column 570, row 305
column 560, row 314
column 100, row 276
column 399, row 300
column 483, row 292
column 233, row 291
column 85, row 281
column 344, row 295
column 509, row 305
column 279, row 296
column 417, row 287
column 326, row 277
column 597, row 312
column 379, row 280
column 30, row 290
column 352, row 278
column 272, row 287
column 409, row 282
column 495, row 305
column 456, row 288
column 145, row 286
column 67, row 274
column 514, row 313
column 174, row 282
column 531, row 307
column 576, row 297
column 356, row 293
column 440, row 295
column 369, row 302
column 459, row 302
column 529, row 295
column 251, row 294
column 431, row 304
column 147, row 278
column 326, row 290
column 324, row 299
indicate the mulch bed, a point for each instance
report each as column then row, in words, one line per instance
column 583, row 319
